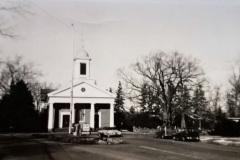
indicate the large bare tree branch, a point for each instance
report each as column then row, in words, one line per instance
column 9, row 11
column 166, row 74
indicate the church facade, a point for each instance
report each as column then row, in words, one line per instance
column 91, row 104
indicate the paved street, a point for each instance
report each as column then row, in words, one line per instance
column 138, row 147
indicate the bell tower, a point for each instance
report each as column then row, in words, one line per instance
column 81, row 65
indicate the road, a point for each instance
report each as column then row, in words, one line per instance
column 138, row 147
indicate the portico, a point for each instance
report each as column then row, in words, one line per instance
column 98, row 113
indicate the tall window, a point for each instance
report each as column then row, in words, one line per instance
column 83, row 68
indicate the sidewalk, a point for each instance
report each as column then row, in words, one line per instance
column 228, row 141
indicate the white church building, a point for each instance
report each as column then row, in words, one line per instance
column 91, row 104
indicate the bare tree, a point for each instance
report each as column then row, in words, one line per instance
column 40, row 91
column 12, row 71
column 214, row 99
column 10, row 10
column 166, row 74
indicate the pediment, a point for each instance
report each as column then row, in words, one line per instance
column 83, row 90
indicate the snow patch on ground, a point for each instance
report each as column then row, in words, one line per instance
column 221, row 140
column 227, row 142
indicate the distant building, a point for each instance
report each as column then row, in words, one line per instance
column 44, row 93
column 235, row 119
column 236, row 113
column 92, row 104
column 44, row 99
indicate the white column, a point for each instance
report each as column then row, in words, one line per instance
column 100, row 119
column 111, row 115
column 50, row 117
column 73, row 113
column 92, row 114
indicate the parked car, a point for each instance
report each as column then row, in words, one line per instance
column 187, row 135
column 165, row 132
column 109, row 131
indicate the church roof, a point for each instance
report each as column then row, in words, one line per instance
column 82, row 54
column 90, row 91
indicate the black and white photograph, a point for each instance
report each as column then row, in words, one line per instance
column 119, row 80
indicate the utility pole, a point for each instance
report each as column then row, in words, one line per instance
column 71, row 103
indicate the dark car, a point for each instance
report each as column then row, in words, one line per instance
column 187, row 135
column 165, row 132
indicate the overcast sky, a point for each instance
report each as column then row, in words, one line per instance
column 117, row 33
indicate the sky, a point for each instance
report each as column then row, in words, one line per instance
column 117, row 33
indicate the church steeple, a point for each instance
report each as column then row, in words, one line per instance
column 82, row 64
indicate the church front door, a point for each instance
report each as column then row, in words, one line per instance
column 66, row 121
column 96, row 123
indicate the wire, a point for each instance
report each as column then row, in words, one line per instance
column 58, row 20
column 69, row 26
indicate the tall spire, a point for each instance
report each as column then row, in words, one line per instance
column 82, row 41
column 82, row 53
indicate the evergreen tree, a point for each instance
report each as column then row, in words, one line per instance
column 143, row 97
column 231, row 103
column 185, row 100
column 233, row 99
column 183, row 106
column 199, row 101
column 17, row 111
column 233, row 95
column 220, row 115
column 119, row 100
column 148, row 99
